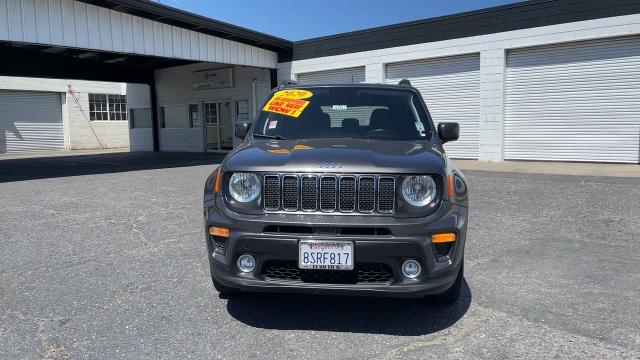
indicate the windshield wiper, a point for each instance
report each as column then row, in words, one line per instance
column 275, row 137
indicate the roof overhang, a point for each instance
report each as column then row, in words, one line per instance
column 176, row 17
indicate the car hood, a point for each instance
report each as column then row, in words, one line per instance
column 338, row 156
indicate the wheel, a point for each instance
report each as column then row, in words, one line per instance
column 453, row 294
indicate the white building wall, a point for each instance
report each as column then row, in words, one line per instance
column 174, row 86
column 492, row 72
column 139, row 97
column 76, row 24
column 80, row 133
column 492, row 49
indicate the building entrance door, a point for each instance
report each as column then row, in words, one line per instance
column 218, row 125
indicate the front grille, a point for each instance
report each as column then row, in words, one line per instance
column 290, row 192
column 309, row 193
column 362, row 273
column 347, row 193
column 330, row 193
column 386, row 198
column 367, row 194
column 271, row 192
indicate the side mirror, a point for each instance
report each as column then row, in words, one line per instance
column 448, row 131
column 242, row 128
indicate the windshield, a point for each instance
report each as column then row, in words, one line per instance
column 344, row 112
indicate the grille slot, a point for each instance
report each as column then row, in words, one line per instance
column 367, row 194
column 221, row 245
column 271, row 192
column 386, row 194
column 347, row 191
column 309, row 193
column 328, row 193
column 363, row 273
column 290, row 192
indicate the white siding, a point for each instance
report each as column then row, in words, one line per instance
column 87, row 134
column 76, row 24
column 336, row 76
column 450, row 87
column 574, row 102
column 139, row 97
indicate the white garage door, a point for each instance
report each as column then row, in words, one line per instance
column 450, row 87
column 574, row 102
column 30, row 121
column 337, row 76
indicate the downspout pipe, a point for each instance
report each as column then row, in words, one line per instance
column 254, row 97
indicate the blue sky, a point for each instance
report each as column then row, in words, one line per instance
column 299, row 19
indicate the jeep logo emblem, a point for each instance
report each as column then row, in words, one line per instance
column 330, row 165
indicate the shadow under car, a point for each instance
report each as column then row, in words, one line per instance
column 372, row 315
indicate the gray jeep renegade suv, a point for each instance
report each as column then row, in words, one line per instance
column 339, row 189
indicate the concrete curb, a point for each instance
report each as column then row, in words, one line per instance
column 554, row 168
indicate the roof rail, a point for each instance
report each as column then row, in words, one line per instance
column 404, row 82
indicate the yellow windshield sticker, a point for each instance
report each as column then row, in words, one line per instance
column 288, row 102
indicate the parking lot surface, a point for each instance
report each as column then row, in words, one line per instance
column 104, row 257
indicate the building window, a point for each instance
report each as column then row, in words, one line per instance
column 194, row 116
column 174, row 116
column 211, row 113
column 117, row 107
column 140, row 118
column 107, row 107
column 98, row 107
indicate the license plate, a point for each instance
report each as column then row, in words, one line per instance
column 325, row 255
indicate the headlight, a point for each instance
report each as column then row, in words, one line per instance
column 419, row 190
column 244, row 187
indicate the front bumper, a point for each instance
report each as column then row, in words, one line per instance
column 403, row 239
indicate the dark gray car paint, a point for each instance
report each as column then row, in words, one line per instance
column 349, row 155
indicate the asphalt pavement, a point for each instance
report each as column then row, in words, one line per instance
column 103, row 257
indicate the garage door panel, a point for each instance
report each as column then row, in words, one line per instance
column 595, row 51
column 30, row 121
column 619, row 66
column 353, row 75
column 574, row 102
column 450, row 87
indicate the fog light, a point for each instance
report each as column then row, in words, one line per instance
column 411, row 269
column 246, row 263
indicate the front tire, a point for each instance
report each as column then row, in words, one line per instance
column 453, row 293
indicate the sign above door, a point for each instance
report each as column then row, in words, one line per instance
column 213, row 79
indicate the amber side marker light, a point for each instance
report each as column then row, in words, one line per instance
column 450, row 186
column 219, row 231
column 443, row 238
column 216, row 187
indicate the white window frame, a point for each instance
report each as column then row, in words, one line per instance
column 105, row 108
